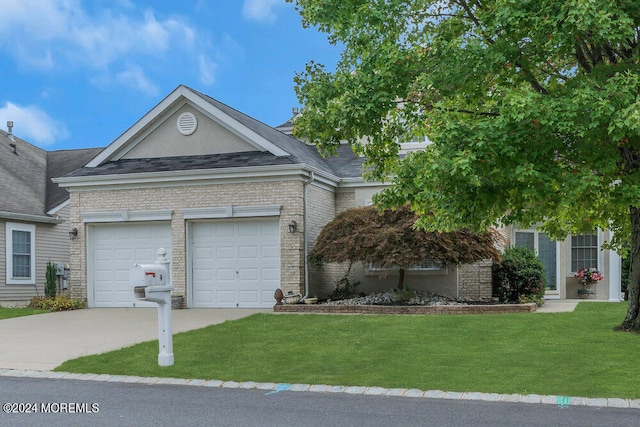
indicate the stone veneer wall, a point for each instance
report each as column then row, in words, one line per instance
column 345, row 200
column 323, row 279
column 321, row 209
column 474, row 280
column 288, row 194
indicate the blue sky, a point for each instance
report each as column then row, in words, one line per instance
column 77, row 74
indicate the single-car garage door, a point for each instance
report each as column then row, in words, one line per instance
column 235, row 263
column 114, row 250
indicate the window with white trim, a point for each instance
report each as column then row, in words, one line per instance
column 584, row 251
column 20, row 253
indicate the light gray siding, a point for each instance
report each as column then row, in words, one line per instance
column 52, row 244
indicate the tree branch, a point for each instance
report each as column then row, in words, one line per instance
column 531, row 79
column 430, row 106
column 474, row 19
column 581, row 57
column 474, row 113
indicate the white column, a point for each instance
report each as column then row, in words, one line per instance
column 615, row 276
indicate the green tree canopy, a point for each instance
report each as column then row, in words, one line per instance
column 532, row 108
column 389, row 239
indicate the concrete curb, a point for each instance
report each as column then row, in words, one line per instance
column 271, row 388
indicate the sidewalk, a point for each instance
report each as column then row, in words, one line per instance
column 558, row 305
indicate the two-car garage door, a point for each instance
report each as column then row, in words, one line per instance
column 233, row 263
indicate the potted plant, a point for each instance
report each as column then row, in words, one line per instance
column 292, row 298
column 587, row 278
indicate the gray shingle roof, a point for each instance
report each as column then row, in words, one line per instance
column 165, row 164
column 26, row 172
column 23, row 176
column 347, row 164
column 60, row 163
column 344, row 164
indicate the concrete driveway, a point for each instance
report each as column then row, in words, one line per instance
column 44, row 341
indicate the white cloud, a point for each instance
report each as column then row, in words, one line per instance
column 207, row 70
column 32, row 124
column 261, row 10
column 63, row 34
column 134, row 77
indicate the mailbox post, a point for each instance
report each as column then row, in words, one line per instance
column 150, row 283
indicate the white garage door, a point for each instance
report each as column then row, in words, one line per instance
column 235, row 263
column 115, row 248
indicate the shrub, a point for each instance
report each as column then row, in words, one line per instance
column 39, row 302
column 520, row 276
column 345, row 288
column 59, row 303
column 51, row 281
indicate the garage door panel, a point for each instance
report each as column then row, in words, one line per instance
column 242, row 250
column 122, row 254
column 203, row 253
column 144, row 253
column 203, row 275
column 204, row 295
column 226, row 252
column 270, row 251
column 115, row 248
column 248, row 230
column 248, row 274
column 267, row 295
column 223, row 230
column 225, row 275
column 248, row 297
column 226, row 297
column 271, row 274
column 248, row 252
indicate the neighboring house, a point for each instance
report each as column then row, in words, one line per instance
column 33, row 215
column 237, row 205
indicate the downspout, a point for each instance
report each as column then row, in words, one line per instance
column 306, row 235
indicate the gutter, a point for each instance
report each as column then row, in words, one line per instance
column 306, row 236
column 196, row 176
column 31, row 218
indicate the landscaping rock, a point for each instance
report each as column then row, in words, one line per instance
column 398, row 297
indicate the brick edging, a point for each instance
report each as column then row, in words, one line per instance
column 406, row 309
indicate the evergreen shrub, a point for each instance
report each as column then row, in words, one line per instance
column 519, row 277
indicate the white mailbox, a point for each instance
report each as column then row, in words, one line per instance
column 150, row 282
column 148, row 275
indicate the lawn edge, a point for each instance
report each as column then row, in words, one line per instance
column 271, row 388
column 406, row 309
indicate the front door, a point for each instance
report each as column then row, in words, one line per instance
column 546, row 249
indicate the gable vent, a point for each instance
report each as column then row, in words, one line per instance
column 187, row 123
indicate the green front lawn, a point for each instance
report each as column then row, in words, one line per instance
column 7, row 313
column 565, row 354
